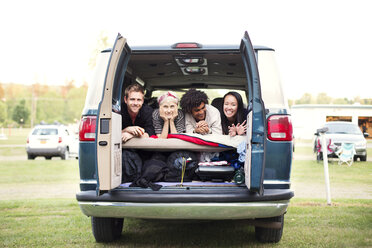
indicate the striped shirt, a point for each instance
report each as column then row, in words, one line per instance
column 158, row 122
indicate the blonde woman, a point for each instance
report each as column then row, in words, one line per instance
column 168, row 118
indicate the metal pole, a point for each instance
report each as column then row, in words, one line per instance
column 326, row 174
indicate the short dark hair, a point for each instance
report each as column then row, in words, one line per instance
column 134, row 87
column 191, row 99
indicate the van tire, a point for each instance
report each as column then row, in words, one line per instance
column 107, row 229
column 270, row 235
column 363, row 158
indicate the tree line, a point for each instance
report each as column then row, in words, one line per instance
column 28, row 105
column 323, row 98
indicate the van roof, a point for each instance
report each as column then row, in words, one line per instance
column 136, row 49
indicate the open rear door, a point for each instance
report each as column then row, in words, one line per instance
column 108, row 139
column 256, row 133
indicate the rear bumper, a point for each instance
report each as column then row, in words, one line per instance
column 186, row 205
column 46, row 151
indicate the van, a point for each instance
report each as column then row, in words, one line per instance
column 260, row 190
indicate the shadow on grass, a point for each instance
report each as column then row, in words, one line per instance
column 155, row 233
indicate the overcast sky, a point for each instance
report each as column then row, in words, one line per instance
column 322, row 46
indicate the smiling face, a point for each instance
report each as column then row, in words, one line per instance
column 230, row 107
column 199, row 112
column 134, row 102
column 168, row 107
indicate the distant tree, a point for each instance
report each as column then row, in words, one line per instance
column 367, row 101
column 2, row 93
column 102, row 43
column 21, row 113
column 322, row 98
column 290, row 102
column 305, row 99
column 341, row 101
column 3, row 112
column 75, row 103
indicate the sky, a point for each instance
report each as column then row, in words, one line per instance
column 321, row 46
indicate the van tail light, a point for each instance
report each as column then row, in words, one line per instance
column 279, row 128
column 59, row 139
column 87, row 128
column 187, row 45
column 28, row 140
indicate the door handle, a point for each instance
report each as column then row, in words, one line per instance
column 102, row 143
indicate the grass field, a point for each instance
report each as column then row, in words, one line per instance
column 38, row 209
column 15, row 136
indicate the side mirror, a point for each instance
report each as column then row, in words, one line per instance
column 316, row 134
column 366, row 135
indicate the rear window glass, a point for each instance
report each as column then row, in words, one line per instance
column 272, row 92
column 45, row 131
column 343, row 129
column 211, row 93
column 97, row 81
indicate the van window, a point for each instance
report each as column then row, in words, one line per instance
column 272, row 92
column 96, row 83
column 211, row 93
column 45, row 131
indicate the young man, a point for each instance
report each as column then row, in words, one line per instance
column 136, row 117
column 199, row 116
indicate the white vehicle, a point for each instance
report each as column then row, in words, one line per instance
column 51, row 141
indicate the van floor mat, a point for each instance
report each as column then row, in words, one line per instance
column 191, row 184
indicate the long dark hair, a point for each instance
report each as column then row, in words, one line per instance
column 240, row 114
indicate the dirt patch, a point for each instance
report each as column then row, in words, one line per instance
column 34, row 191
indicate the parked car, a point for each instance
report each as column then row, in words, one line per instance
column 51, row 141
column 342, row 132
column 265, row 194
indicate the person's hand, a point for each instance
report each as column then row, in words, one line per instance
column 125, row 136
column 241, row 128
column 232, row 130
column 202, row 127
column 162, row 114
column 135, row 130
column 174, row 115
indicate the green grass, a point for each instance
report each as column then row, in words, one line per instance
column 38, row 171
column 16, row 136
column 13, row 151
column 310, row 172
column 34, row 214
column 60, row 223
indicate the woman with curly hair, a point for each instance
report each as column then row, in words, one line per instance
column 200, row 117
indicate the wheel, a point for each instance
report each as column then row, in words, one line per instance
column 65, row 155
column 319, row 157
column 107, row 229
column 270, row 235
column 363, row 158
column 30, row 157
column 48, row 157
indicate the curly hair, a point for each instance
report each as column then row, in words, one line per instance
column 191, row 99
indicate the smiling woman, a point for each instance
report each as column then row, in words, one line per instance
column 168, row 118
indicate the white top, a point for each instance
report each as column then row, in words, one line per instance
column 213, row 118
